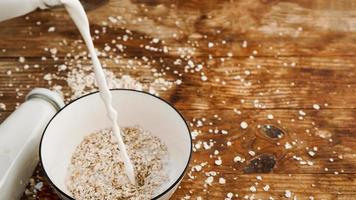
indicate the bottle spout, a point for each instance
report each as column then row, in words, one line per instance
column 14, row 8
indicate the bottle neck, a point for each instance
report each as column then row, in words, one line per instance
column 47, row 95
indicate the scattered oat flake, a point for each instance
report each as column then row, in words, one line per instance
column 21, row 59
column 197, row 168
column 288, row 194
column 230, row 195
column 2, row 106
column 62, row 67
column 311, row 153
column 287, row 145
column 222, row 180
column 244, row 44
column 209, row 180
column 316, row 106
column 210, row 44
column 237, row 159
column 253, row 189
column 218, row 162
column 155, row 40
column 53, row 51
column 39, row 186
column 204, row 78
column 51, row 29
column 244, row 125
column 270, row 116
column 302, row 113
column 266, row 188
column 47, row 77
column 107, row 48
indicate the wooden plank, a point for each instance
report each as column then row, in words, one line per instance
column 331, row 135
column 270, row 27
column 234, row 83
column 328, row 187
column 301, row 186
column 328, row 136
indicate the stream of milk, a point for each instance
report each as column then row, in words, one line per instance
column 77, row 13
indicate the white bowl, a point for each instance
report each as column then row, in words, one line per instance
column 87, row 114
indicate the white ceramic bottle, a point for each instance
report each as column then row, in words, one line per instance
column 14, row 8
column 20, row 136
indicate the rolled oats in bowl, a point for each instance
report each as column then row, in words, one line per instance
column 96, row 170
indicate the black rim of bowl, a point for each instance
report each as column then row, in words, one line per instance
column 159, row 98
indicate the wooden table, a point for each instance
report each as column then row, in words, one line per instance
column 266, row 63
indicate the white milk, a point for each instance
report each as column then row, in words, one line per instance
column 77, row 13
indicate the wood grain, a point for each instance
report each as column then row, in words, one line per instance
column 261, row 58
column 275, row 28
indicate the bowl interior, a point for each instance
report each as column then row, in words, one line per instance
column 87, row 114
